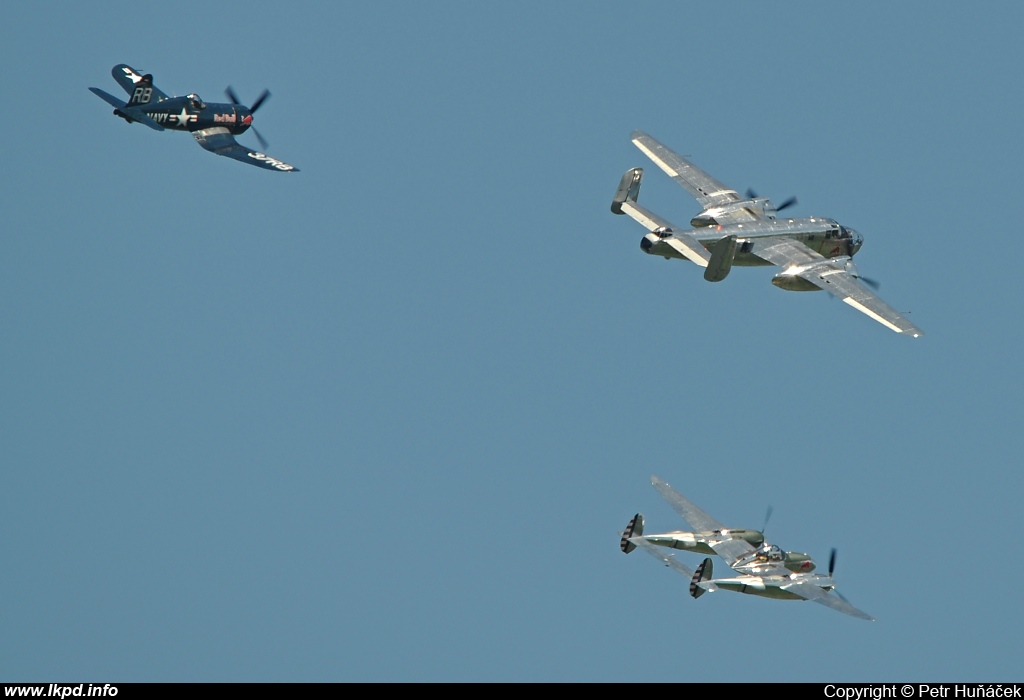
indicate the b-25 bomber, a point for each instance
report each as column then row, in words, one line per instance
column 214, row 125
column 732, row 229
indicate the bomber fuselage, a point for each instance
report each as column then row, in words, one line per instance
column 822, row 235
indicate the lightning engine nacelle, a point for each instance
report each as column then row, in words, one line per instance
column 701, row 541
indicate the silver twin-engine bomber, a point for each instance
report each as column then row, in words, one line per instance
column 732, row 229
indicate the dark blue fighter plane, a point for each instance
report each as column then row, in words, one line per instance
column 213, row 125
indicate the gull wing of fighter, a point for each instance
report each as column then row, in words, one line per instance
column 214, row 125
column 733, row 229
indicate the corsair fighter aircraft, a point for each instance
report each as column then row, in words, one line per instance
column 732, row 229
column 214, row 125
column 763, row 569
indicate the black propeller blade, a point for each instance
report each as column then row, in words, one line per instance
column 751, row 194
column 767, row 515
column 787, row 204
column 252, row 110
column 259, row 101
column 831, row 569
column 259, row 137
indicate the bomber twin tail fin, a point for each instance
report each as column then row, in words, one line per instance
column 629, row 189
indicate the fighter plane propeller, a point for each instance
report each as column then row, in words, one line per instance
column 252, row 110
column 763, row 569
column 214, row 125
column 731, row 229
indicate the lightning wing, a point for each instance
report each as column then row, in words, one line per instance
column 808, row 590
column 660, row 554
column 694, row 516
column 731, row 550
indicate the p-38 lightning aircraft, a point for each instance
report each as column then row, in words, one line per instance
column 214, row 125
column 814, row 253
column 764, row 569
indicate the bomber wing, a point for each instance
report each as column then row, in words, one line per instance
column 708, row 191
column 731, row 550
column 833, row 277
column 808, row 590
column 219, row 140
column 683, row 243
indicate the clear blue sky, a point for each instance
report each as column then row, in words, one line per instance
column 383, row 419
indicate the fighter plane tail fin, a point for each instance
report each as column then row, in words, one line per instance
column 139, row 87
column 703, row 573
column 629, row 189
column 143, row 92
column 634, row 529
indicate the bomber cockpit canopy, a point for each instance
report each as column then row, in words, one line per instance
column 196, row 101
column 856, row 240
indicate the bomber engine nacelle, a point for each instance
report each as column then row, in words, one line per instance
column 793, row 278
column 793, row 282
column 760, row 207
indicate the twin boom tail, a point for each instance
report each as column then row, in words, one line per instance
column 634, row 529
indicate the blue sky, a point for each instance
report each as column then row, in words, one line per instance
column 383, row 419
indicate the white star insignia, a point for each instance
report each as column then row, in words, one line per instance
column 183, row 118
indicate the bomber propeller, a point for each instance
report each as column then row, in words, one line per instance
column 785, row 205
